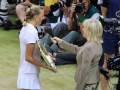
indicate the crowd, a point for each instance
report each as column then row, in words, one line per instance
column 72, row 34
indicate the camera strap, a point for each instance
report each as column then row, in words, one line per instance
column 61, row 15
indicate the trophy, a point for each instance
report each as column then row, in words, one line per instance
column 47, row 58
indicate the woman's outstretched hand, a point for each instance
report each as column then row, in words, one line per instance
column 56, row 40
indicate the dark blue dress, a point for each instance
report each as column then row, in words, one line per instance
column 110, row 44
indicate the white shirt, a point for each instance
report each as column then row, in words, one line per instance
column 28, row 34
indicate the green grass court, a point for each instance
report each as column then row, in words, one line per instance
column 9, row 65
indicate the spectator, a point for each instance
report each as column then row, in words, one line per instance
column 87, row 72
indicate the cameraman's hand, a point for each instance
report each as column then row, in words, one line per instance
column 65, row 10
column 56, row 40
column 73, row 8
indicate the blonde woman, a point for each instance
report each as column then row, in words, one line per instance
column 28, row 76
column 88, row 56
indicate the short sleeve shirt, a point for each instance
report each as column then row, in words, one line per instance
column 28, row 34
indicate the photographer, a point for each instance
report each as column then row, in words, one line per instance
column 59, row 28
column 110, row 45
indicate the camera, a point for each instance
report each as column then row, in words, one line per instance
column 113, row 63
column 110, row 21
column 79, row 7
column 113, row 23
column 57, row 5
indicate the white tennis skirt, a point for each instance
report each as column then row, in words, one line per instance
column 28, row 81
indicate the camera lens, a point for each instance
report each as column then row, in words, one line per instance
column 79, row 7
column 57, row 5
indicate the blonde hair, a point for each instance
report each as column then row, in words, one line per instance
column 31, row 12
column 93, row 29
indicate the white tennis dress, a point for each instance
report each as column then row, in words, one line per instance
column 28, row 76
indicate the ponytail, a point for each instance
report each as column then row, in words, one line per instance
column 24, row 22
column 30, row 13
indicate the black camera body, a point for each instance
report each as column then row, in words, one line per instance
column 79, row 7
column 60, row 4
column 113, row 23
column 110, row 21
column 57, row 5
column 113, row 63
